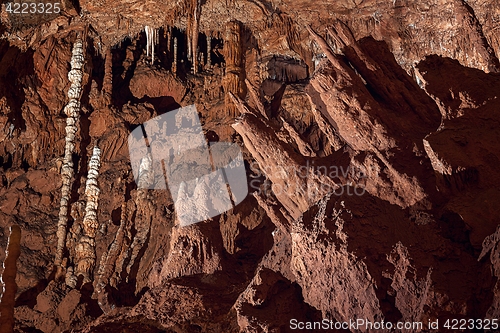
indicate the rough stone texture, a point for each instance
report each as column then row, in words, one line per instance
column 370, row 135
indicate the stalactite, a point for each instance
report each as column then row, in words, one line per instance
column 189, row 46
column 85, row 250
column 195, row 32
column 148, row 39
column 209, row 51
column 174, row 62
column 107, row 86
column 72, row 111
column 151, row 40
column 168, row 38
column 8, row 279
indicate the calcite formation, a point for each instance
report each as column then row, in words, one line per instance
column 107, row 85
column 151, row 41
column 369, row 133
column 233, row 82
column 72, row 111
column 85, row 256
column 8, row 280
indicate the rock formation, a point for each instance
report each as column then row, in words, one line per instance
column 232, row 52
column 8, row 280
column 85, row 256
column 72, row 111
column 369, row 133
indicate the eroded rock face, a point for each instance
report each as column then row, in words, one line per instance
column 369, row 132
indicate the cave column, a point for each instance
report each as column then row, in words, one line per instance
column 72, row 110
column 234, row 77
column 85, row 250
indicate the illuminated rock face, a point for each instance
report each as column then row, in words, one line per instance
column 367, row 132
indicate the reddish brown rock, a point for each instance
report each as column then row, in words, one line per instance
column 369, row 131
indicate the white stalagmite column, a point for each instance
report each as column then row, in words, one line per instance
column 72, row 110
column 85, row 255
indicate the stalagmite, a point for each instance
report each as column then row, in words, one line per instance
column 145, row 173
column 144, row 210
column 72, row 110
column 109, row 264
column 85, row 250
column 8, row 279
